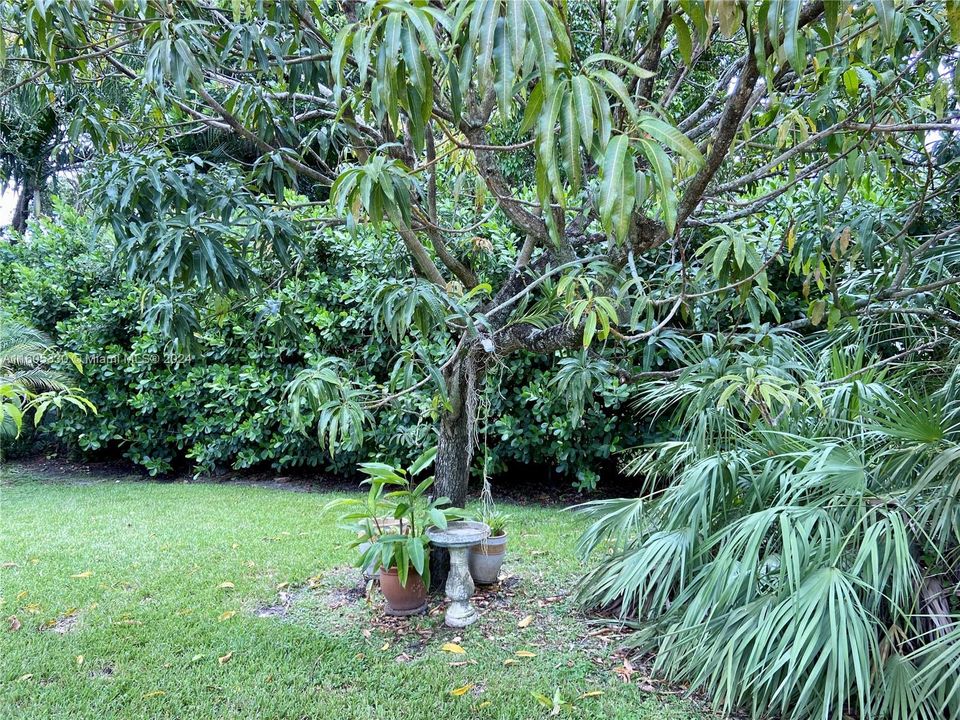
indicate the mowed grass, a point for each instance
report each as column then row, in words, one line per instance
column 145, row 600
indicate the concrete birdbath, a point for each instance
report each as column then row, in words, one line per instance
column 457, row 538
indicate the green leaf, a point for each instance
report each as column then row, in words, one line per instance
column 617, row 188
column 684, row 40
column 666, row 134
column 663, row 172
column 583, row 105
column 423, row 461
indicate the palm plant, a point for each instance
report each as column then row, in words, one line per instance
column 796, row 548
column 26, row 381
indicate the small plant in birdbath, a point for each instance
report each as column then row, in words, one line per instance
column 486, row 558
column 390, row 525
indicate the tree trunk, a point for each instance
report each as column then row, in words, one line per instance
column 21, row 211
column 454, row 450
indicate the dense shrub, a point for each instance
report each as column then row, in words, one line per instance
column 222, row 405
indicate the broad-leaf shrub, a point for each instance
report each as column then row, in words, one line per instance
column 238, row 397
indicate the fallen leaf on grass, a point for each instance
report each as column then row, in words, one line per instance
column 453, row 648
column 525, row 654
column 15, row 623
column 461, row 663
column 24, row 678
column 22, row 594
column 226, row 585
column 32, row 608
column 386, row 646
column 79, row 660
column 592, row 693
column 462, row 690
column 525, row 622
column 283, row 585
column 227, row 615
column 9, row 565
column 626, row 670
column 155, row 693
column 84, row 574
column 510, row 661
column 224, row 659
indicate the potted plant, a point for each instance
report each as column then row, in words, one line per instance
column 390, row 525
column 486, row 557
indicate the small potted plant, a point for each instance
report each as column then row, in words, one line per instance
column 390, row 525
column 486, row 557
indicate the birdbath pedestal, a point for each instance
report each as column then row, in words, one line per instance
column 457, row 538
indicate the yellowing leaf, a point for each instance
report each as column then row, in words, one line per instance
column 227, row 615
column 22, row 594
column 79, row 660
column 510, row 661
column 592, row 693
column 453, row 648
column 386, row 646
column 525, row 654
column 525, row 622
column 224, row 659
column 32, row 608
column 226, row 585
column 84, row 574
column 485, row 703
column 155, row 693
column 462, row 690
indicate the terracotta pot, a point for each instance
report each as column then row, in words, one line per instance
column 486, row 558
column 409, row 599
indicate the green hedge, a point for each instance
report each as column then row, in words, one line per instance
column 223, row 406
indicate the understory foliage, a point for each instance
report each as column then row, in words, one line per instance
column 228, row 402
column 795, row 548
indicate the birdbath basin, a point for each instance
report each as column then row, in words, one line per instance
column 457, row 537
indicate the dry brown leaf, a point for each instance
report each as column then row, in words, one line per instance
column 525, row 622
column 462, row 690
column 15, row 623
column 227, row 615
column 224, row 659
column 226, row 585
column 453, row 648
column 84, row 574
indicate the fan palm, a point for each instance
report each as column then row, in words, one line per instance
column 796, row 551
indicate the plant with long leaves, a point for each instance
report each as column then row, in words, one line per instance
column 391, row 522
column 796, row 546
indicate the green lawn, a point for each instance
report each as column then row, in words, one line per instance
column 118, row 588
